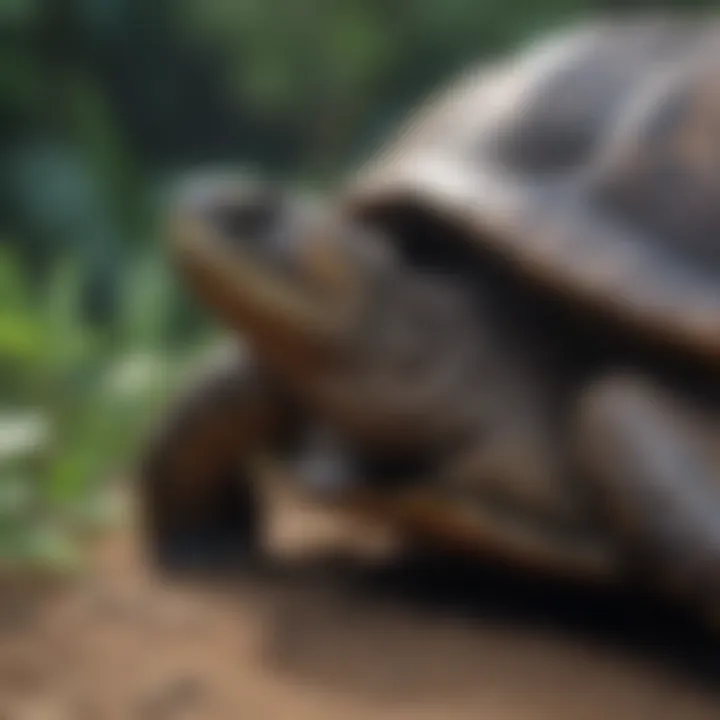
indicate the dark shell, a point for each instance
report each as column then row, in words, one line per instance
column 591, row 163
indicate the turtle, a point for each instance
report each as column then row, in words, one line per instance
column 500, row 334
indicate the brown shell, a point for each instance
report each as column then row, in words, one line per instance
column 590, row 162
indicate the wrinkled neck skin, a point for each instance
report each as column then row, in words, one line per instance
column 403, row 379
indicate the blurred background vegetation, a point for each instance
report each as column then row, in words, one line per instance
column 102, row 103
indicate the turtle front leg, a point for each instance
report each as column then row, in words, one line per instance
column 199, row 506
column 654, row 465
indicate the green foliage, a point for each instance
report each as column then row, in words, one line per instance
column 75, row 403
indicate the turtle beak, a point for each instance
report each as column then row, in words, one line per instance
column 219, row 230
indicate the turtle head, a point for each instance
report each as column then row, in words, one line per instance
column 329, row 304
column 286, row 271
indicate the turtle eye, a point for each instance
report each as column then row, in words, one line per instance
column 239, row 211
column 249, row 220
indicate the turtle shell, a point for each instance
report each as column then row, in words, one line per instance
column 589, row 163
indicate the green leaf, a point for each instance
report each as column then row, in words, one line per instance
column 22, row 434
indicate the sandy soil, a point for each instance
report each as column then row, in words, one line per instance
column 322, row 635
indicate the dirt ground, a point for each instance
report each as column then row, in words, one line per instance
column 336, row 634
